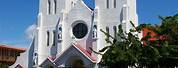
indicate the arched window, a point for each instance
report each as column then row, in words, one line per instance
column 107, row 4
column 49, row 7
column 55, row 6
column 107, row 30
column 54, row 37
column 48, row 38
column 59, row 34
column 115, row 31
column 75, row 62
column 72, row 4
column 115, row 3
column 49, row 66
column 94, row 31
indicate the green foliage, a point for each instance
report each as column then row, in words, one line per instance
column 3, row 65
column 168, row 27
column 127, row 50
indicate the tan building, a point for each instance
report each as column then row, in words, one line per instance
column 8, row 54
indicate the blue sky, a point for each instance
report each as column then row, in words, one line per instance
column 17, row 15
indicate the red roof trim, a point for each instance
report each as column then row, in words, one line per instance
column 154, row 36
column 13, row 48
column 85, row 52
column 52, row 58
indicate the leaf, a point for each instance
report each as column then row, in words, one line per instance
column 104, row 49
column 95, row 51
column 107, row 34
column 132, row 24
column 132, row 30
column 120, row 29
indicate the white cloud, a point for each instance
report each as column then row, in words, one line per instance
column 30, row 31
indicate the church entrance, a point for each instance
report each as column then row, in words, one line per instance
column 75, row 63
column 48, row 66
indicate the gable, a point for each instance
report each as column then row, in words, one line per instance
column 47, row 62
column 73, row 51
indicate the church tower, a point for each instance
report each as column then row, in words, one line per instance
column 49, row 17
column 111, row 13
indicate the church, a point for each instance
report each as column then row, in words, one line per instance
column 67, row 30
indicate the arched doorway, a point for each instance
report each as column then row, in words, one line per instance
column 48, row 66
column 75, row 62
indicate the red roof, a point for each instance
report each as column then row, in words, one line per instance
column 51, row 58
column 154, row 35
column 87, row 53
column 13, row 48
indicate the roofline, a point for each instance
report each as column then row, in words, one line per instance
column 51, row 61
column 74, row 45
column 13, row 48
column 90, row 58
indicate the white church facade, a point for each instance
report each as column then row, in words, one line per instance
column 67, row 29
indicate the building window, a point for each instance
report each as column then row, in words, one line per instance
column 115, row 31
column 0, row 52
column 94, row 32
column 72, row 4
column 80, row 30
column 59, row 34
column 49, row 7
column 47, row 38
column 12, row 53
column 107, row 4
column 115, row 3
column 107, row 30
column 55, row 6
column 54, row 37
